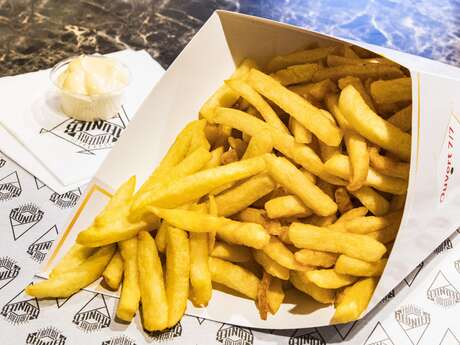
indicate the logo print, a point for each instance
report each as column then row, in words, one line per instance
column 411, row 276
column 120, row 340
column 233, row 335
column 94, row 315
column 449, row 338
column 306, row 337
column 167, row 334
column 2, row 162
column 8, row 271
column 46, row 336
column 388, row 297
column 67, row 200
column 24, row 218
column 39, row 184
column 378, row 336
column 442, row 292
column 344, row 329
column 39, row 248
column 414, row 321
column 445, row 245
column 92, row 135
column 10, row 187
column 449, row 167
column 20, row 309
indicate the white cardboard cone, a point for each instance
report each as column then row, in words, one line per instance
column 223, row 42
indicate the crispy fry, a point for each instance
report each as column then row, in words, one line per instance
column 215, row 159
column 262, row 296
column 270, row 265
column 113, row 273
column 275, row 295
column 177, row 274
column 390, row 91
column 151, row 282
column 359, row 159
column 199, row 139
column 298, row 57
column 372, row 200
column 367, row 224
column 258, row 145
column 276, row 250
column 354, row 300
column 300, row 133
column 295, row 74
column 352, row 214
column 302, row 283
column 349, row 53
column 213, row 210
column 130, row 291
column 332, row 103
column 76, row 255
column 326, row 187
column 317, row 90
column 323, row 239
column 286, row 206
column 231, row 276
column 388, row 166
column 326, row 151
column 385, row 235
column 402, row 119
column 336, row 60
column 200, row 276
column 253, row 215
column 322, row 221
column 358, row 85
column 397, row 202
column 229, row 156
column 161, row 237
column 238, row 145
column 360, row 268
column 67, row 283
column 330, row 279
column 371, row 126
column 376, row 71
column 342, row 199
column 315, row 258
column 231, row 252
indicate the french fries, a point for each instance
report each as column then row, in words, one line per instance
column 372, row 200
column 275, row 295
column 113, row 273
column 330, row 279
column 402, row 119
column 301, row 282
column 360, row 268
column 315, row 258
column 388, row 166
column 296, row 74
column 390, row 91
column 271, row 266
column 375, row 71
column 200, row 277
column 299, row 57
column 230, row 252
column 77, row 255
column 286, row 206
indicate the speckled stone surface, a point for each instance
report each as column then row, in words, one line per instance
column 35, row 34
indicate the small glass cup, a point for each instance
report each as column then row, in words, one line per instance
column 88, row 108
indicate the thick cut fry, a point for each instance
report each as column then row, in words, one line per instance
column 253, row 215
column 285, row 173
column 151, row 282
column 130, row 291
column 315, row 258
column 225, row 96
column 248, row 234
column 230, row 252
column 251, row 95
column 385, row 235
column 177, row 274
column 317, row 90
column 349, row 53
column 300, row 133
column 355, row 245
column 234, row 277
column 199, row 139
column 192, row 187
column 332, row 103
column 359, row 268
column 358, row 85
column 339, row 165
column 76, row 255
column 270, row 265
column 295, row 74
column 375, row 71
column 277, row 251
column 330, row 279
column 161, row 237
column 364, row 225
column 215, row 159
column 359, row 159
column 298, row 57
column 372, row 200
column 397, row 202
column 70, row 282
column 390, row 91
column 402, row 119
column 258, row 145
column 387, row 165
column 286, row 206
column 302, row 283
column 200, row 277
column 342, row 199
column 113, row 273
column 275, row 295
column 371, row 126
column 352, row 214
column 262, row 296
column 322, row 221
column 354, row 300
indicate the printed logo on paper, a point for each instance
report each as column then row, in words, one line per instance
column 388, row 297
column 8, row 271
column 46, row 336
column 442, row 292
column 378, row 336
column 120, row 340
column 168, row 334
column 24, row 218
column 2, row 162
column 234, row 335
column 411, row 276
column 94, row 315
column 345, row 329
column 10, row 187
column 445, row 245
column 306, row 337
column 67, row 200
column 447, row 159
column 40, row 247
column 413, row 321
column 21, row 309
column 39, row 184
column 449, row 338
column 90, row 136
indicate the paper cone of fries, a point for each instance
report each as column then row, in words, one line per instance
column 433, row 198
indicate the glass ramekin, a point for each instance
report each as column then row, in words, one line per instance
column 88, row 108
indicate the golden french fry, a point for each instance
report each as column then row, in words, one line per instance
column 351, row 214
column 317, row 90
column 113, row 273
column 76, row 255
column 199, row 139
column 375, row 71
column 402, row 119
column 161, row 237
column 277, row 251
column 151, row 282
column 70, row 282
column 367, row 224
column 371, row 126
column 360, row 268
column 359, row 159
column 326, row 151
column 322, row 221
column 286, row 206
column 385, row 235
column 300, row 133
column 372, row 200
column 358, row 85
column 285, row 173
column 262, row 296
column 229, row 156
column 225, row 96
column 302, row 283
column 397, row 202
column 232, row 276
column 230, row 252
column 215, row 159
column 253, row 215
column 349, row 53
column 270, row 265
column 337, row 60
column 387, row 165
column 355, row 245
column 330, row 279
column 213, row 210
column 130, row 291
column 299, row 108
column 251, row 95
column 390, row 91
column 238, row 145
column 275, row 295
column 200, row 276
column 177, row 273
column 332, row 103
column 248, row 234
column 284, row 235
column 342, row 199
column 326, row 187
column 354, row 300
column 298, row 57
column 295, row 74
column 258, row 145
column 315, row 258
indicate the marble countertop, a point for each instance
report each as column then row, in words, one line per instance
column 36, row 34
